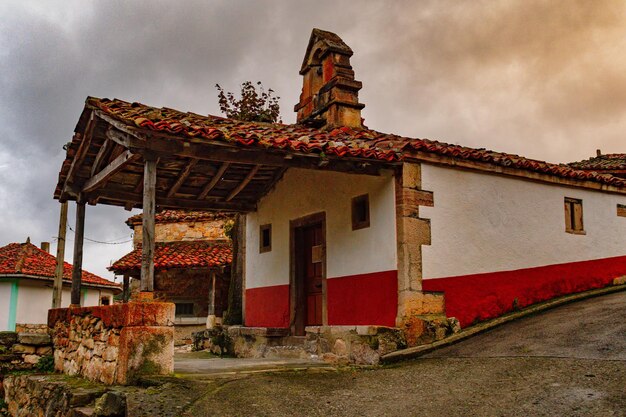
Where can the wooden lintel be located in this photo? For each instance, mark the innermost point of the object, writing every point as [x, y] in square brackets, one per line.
[216, 178]
[182, 177]
[107, 172]
[243, 183]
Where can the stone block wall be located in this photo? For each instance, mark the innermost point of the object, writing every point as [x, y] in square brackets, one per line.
[176, 232]
[114, 344]
[31, 328]
[22, 350]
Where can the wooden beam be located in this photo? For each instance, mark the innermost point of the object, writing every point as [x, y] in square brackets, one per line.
[126, 288]
[216, 178]
[243, 183]
[57, 288]
[103, 152]
[149, 211]
[81, 153]
[177, 203]
[77, 263]
[107, 172]
[182, 177]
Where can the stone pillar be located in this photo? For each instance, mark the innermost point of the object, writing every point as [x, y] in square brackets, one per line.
[414, 307]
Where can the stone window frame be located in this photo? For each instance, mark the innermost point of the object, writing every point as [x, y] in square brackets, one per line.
[574, 216]
[358, 221]
[265, 245]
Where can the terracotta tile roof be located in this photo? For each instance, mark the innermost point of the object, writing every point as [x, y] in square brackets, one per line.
[178, 216]
[608, 162]
[339, 142]
[193, 253]
[27, 259]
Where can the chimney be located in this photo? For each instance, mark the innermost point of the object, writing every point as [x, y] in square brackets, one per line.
[598, 152]
[45, 246]
[329, 95]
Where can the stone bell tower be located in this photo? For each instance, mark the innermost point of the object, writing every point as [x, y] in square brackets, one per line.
[329, 95]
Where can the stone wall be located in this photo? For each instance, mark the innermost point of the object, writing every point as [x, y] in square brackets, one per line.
[175, 232]
[361, 345]
[22, 350]
[114, 344]
[58, 396]
[31, 328]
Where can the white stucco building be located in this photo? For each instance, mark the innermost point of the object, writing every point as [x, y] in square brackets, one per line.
[26, 277]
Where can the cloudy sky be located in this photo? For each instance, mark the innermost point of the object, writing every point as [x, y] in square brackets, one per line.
[544, 79]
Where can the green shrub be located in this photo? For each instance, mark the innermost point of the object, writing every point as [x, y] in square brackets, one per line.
[45, 364]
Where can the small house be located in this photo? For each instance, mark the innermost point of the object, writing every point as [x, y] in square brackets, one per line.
[192, 266]
[26, 277]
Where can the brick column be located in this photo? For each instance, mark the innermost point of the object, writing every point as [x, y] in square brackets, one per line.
[414, 307]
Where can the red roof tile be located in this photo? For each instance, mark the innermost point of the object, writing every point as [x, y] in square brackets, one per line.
[340, 142]
[27, 259]
[176, 216]
[608, 162]
[193, 253]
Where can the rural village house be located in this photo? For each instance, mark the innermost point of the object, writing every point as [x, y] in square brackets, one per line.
[352, 235]
[192, 266]
[26, 276]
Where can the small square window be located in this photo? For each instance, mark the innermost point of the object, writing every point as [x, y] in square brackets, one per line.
[621, 210]
[574, 216]
[265, 238]
[360, 212]
[105, 301]
[184, 309]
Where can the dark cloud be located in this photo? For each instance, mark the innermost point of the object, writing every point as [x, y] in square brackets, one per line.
[540, 78]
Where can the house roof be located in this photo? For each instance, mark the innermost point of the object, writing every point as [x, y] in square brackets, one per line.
[27, 260]
[607, 162]
[340, 142]
[179, 216]
[185, 254]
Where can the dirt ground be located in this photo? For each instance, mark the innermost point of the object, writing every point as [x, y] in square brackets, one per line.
[570, 361]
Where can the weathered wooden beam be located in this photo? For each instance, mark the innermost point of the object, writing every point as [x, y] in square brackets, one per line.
[81, 153]
[216, 178]
[57, 287]
[77, 263]
[107, 172]
[149, 211]
[243, 183]
[126, 288]
[103, 152]
[182, 177]
[177, 203]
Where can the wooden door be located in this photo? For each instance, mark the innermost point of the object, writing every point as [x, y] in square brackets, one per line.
[309, 254]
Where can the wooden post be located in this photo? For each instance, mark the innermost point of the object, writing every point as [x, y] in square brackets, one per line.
[149, 208]
[77, 266]
[57, 291]
[211, 319]
[126, 291]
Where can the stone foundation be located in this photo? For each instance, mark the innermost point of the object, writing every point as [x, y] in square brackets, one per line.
[361, 345]
[114, 344]
[31, 328]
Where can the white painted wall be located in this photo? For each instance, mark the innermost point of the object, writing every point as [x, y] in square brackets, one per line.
[489, 223]
[303, 192]
[5, 304]
[35, 299]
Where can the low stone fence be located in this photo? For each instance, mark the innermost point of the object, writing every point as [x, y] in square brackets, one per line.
[114, 344]
[22, 350]
[361, 345]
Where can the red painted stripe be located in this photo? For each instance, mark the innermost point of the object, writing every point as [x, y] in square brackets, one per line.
[267, 306]
[473, 298]
[367, 299]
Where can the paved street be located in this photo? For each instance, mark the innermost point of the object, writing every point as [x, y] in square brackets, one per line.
[570, 361]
